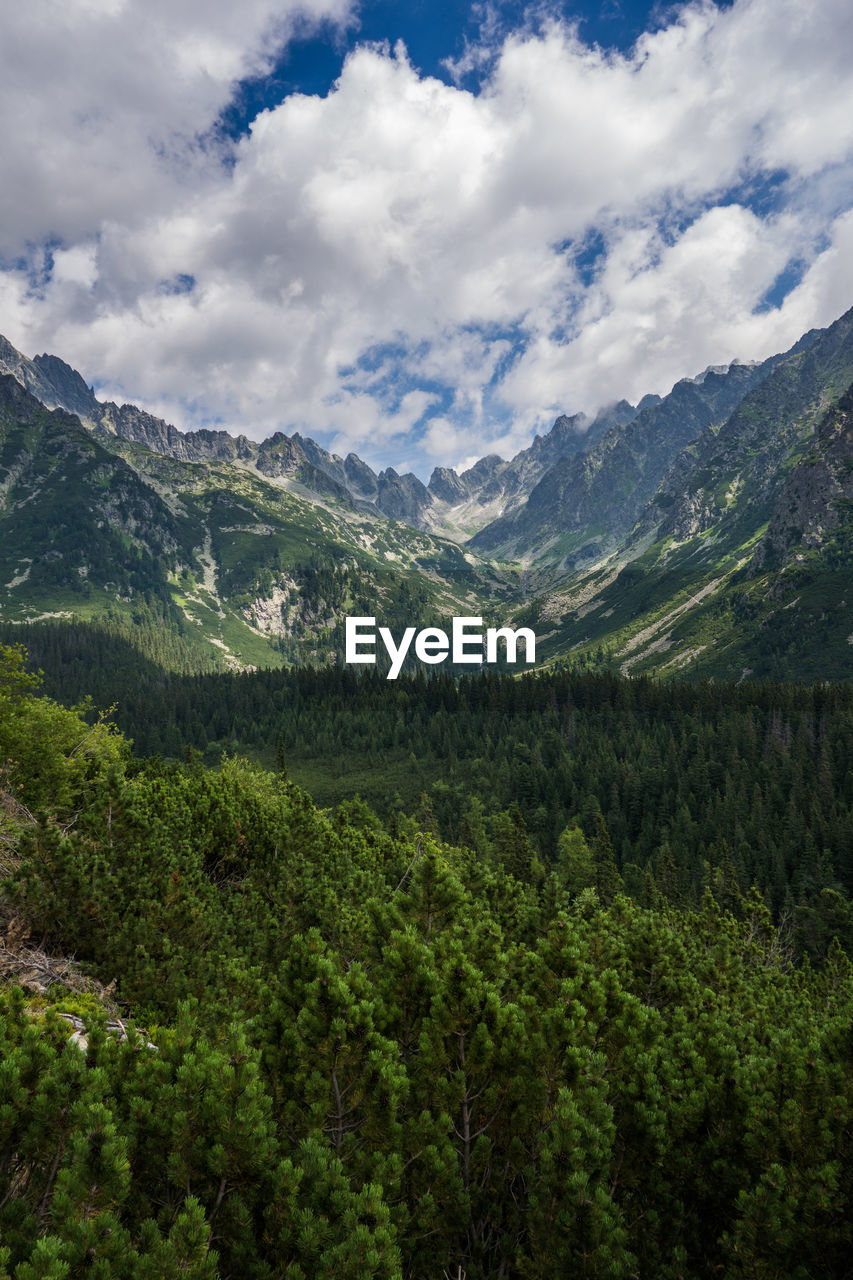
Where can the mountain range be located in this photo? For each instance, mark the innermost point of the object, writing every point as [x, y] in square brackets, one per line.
[704, 532]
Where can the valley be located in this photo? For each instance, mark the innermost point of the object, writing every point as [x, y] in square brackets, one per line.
[701, 534]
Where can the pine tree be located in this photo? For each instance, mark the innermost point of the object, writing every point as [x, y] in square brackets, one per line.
[575, 863]
[608, 882]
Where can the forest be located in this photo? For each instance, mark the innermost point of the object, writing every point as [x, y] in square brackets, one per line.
[676, 786]
[353, 1046]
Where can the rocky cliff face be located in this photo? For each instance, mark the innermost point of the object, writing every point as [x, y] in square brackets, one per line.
[53, 382]
[494, 487]
[57, 386]
[404, 498]
[360, 478]
[732, 477]
[587, 502]
[329, 463]
[69, 388]
[130, 423]
[447, 486]
[281, 456]
[816, 500]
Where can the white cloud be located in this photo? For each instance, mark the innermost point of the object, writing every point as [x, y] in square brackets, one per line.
[77, 266]
[660, 312]
[361, 252]
[104, 103]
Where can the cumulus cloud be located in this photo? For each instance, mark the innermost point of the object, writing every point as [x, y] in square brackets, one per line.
[404, 267]
[107, 105]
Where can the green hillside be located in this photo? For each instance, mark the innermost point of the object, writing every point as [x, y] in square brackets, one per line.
[370, 1053]
[239, 570]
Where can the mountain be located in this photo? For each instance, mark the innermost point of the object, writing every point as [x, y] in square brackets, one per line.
[492, 487]
[458, 505]
[207, 563]
[741, 563]
[73, 515]
[584, 504]
[281, 458]
[49, 379]
[704, 532]
[736, 473]
[451, 506]
[812, 514]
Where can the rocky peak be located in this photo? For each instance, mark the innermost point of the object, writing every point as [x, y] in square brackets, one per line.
[28, 374]
[812, 503]
[279, 455]
[70, 389]
[403, 498]
[482, 471]
[129, 422]
[360, 477]
[447, 486]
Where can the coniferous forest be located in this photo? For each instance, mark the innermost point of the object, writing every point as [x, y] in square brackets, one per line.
[448, 1038]
[681, 786]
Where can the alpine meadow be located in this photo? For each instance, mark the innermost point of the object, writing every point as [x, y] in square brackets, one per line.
[426, 774]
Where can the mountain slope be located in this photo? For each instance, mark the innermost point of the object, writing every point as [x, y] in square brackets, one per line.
[57, 385]
[72, 515]
[452, 506]
[813, 511]
[741, 564]
[247, 572]
[218, 551]
[731, 477]
[584, 505]
[493, 486]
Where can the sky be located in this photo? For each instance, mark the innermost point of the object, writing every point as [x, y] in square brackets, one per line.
[419, 231]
